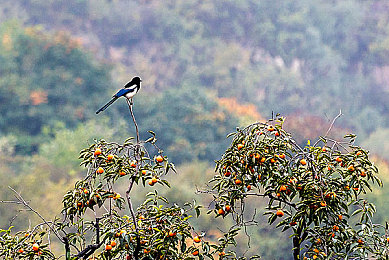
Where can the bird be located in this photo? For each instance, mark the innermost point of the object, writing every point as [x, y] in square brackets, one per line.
[128, 91]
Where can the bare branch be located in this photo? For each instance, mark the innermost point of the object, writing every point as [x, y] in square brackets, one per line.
[137, 157]
[133, 118]
[333, 122]
[330, 127]
[11, 201]
[25, 204]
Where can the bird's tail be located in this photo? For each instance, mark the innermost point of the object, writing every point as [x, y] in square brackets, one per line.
[107, 105]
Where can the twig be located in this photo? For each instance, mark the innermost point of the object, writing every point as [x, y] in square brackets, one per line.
[137, 156]
[330, 127]
[25, 204]
[11, 201]
[333, 122]
[133, 118]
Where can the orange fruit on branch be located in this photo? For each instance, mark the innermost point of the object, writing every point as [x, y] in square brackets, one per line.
[97, 152]
[35, 247]
[133, 164]
[159, 159]
[283, 188]
[279, 213]
[303, 162]
[197, 239]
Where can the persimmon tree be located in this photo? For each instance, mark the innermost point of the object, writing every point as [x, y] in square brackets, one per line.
[99, 222]
[316, 190]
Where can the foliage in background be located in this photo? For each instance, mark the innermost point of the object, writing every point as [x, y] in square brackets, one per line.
[45, 80]
[192, 122]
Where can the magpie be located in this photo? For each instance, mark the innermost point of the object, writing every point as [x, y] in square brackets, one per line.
[128, 91]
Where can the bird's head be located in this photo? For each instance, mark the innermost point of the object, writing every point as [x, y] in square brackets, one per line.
[136, 80]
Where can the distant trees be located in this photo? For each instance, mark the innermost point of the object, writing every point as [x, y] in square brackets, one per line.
[314, 56]
[45, 80]
[192, 121]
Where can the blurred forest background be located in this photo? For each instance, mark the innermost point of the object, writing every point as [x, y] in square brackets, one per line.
[207, 67]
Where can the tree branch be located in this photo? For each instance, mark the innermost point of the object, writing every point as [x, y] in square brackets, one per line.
[11, 201]
[25, 204]
[133, 118]
[130, 206]
[91, 248]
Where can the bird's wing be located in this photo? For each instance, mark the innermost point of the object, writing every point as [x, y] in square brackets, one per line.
[129, 84]
[123, 92]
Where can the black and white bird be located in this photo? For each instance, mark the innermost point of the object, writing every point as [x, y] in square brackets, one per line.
[128, 91]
